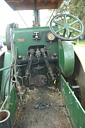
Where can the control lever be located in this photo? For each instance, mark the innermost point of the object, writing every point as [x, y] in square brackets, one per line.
[48, 65]
[30, 56]
[31, 51]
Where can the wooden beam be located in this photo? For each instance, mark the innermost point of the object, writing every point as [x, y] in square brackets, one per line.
[29, 4]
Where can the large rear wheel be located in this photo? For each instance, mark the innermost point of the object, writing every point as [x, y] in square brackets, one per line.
[9, 33]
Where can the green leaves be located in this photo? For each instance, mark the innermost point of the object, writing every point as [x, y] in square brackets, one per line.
[77, 7]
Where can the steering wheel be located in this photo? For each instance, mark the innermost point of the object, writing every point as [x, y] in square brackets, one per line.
[66, 27]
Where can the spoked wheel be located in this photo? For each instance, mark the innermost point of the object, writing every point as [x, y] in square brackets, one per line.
[66, 27]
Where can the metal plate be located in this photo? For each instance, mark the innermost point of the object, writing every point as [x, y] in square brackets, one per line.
[40, 80]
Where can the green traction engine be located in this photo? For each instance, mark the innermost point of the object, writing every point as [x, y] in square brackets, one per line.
[39, 56]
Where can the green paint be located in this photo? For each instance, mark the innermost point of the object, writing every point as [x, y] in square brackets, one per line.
[5, 68]
[7, 62]
[74, 107]
[66, 58]
[11, 104]
[26, 35]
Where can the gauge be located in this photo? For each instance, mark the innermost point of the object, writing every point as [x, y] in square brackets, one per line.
[50, 36]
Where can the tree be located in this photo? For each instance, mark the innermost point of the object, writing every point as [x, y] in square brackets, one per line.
[77, 8]
[64, 8]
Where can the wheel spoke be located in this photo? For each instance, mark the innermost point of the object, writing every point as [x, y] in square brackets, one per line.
[60, 29]
[64, 32]
[75, 29]
[65, 19]
[73, 22]
[58, 23]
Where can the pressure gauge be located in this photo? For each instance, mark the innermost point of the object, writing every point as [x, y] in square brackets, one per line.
[50, 36]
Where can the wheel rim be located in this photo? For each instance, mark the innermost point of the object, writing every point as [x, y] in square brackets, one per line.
[66, 27]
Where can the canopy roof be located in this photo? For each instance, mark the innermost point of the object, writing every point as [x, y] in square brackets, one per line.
[33, 4]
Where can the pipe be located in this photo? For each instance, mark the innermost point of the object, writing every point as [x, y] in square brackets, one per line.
[9, 84]
[54, 59]
[5, 120]
[6, 76]
[5, 68]
[37, 17]
[41, 60]
[2, 69]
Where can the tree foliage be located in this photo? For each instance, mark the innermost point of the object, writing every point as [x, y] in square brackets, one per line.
[64, 7]
[75, 7]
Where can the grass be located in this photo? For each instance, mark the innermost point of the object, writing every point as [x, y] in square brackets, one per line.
[80, 42]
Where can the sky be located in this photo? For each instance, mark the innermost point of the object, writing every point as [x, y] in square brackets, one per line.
[7, 16]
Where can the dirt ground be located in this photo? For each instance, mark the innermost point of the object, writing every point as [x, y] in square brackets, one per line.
[55, 116]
